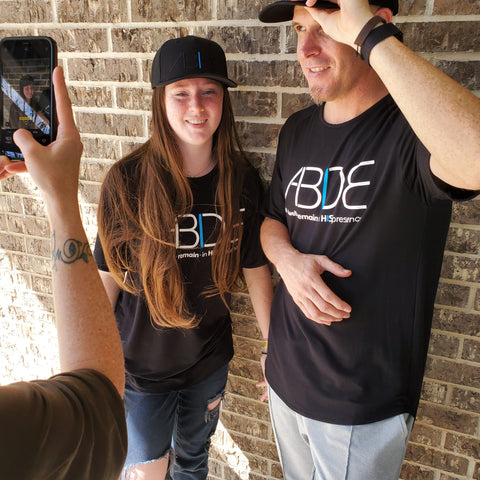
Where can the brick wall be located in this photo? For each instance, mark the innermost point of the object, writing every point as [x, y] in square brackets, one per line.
[106, 48]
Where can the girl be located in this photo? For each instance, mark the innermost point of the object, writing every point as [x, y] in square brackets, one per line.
[178, 224]
[28, 113]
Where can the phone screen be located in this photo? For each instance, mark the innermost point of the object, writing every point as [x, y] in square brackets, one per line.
[27, 94]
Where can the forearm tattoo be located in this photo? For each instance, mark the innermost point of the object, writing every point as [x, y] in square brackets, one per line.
[71, 251]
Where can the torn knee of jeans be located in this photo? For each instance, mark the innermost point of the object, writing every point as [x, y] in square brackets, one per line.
[213, 407]
[130, 472]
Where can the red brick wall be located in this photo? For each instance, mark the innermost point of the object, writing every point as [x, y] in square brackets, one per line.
[106, 48]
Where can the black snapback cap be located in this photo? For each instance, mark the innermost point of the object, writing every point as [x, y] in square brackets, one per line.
[282, 10]
[189, 57]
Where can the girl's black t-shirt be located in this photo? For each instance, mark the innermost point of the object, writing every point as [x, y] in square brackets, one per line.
[362, 194]
[159, 359]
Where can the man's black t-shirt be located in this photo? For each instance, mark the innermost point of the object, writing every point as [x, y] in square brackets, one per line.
[70, 427]
[158, 359]
[362, 194]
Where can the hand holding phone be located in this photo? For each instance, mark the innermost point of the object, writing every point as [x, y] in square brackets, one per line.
[54, 168]
[27, 99]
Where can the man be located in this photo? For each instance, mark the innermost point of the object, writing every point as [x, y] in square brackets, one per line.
[357, 216]
[71, 426]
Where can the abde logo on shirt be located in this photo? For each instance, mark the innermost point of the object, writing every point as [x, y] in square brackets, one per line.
[312, 188]
[199, 230]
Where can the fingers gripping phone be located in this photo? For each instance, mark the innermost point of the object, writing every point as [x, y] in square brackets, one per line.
[27, 101]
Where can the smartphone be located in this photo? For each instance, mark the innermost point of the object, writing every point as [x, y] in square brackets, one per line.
[27, 101]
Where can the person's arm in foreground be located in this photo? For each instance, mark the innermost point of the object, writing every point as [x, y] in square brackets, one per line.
[260, 288]
[444, 115]
[87, 332]
[301, 274]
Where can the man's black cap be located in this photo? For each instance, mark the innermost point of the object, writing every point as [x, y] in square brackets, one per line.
[189, 57]
[282, 10]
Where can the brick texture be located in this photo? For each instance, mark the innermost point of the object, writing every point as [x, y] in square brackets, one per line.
[106, 48]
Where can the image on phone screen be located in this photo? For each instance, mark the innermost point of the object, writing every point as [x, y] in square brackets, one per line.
[27, 97]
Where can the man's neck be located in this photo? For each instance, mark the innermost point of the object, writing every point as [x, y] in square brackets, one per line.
[360, 100]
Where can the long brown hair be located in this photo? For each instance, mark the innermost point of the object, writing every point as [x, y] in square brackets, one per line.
[141, 198]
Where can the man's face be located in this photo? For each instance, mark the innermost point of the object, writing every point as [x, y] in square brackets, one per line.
[331, 68]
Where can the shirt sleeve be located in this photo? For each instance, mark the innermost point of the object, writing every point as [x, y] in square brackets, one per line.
[252, 255]
[454, 193]
[71, 426]
[99, 256]
[418, 173]
[274, 204]
[444, 190]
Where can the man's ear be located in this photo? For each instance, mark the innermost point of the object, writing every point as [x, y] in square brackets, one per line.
[385, 13]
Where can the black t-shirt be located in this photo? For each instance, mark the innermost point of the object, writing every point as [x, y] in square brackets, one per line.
[70, 427]
[362, 194]
[161, 359]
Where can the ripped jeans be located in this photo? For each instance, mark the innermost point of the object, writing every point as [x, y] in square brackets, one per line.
[186, 416]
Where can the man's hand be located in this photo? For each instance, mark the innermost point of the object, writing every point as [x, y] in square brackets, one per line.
[345, 24]
[263, 383]
[301, 274]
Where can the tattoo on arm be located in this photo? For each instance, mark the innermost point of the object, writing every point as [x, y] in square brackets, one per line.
[71, 251]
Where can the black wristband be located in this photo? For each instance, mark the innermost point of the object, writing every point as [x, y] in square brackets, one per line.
[376, 36]
[366, 30]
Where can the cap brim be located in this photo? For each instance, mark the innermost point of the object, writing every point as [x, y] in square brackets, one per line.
[217, 78]
[282, 11]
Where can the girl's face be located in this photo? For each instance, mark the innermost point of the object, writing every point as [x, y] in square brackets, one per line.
[194, 110]
[28, 91]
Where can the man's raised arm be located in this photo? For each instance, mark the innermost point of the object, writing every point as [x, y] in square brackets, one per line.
[444, 115]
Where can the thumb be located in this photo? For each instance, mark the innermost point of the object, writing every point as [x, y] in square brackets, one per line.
[332, 267]
[25, 141]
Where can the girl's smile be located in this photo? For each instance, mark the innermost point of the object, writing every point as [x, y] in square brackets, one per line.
[194, 110]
